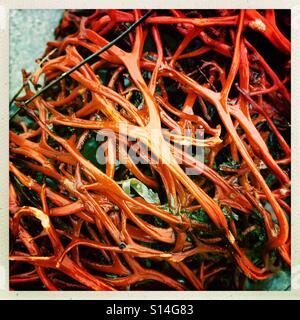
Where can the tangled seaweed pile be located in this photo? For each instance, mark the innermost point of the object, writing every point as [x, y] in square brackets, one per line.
[77, 224]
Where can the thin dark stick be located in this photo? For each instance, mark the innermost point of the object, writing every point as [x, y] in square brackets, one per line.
[18, 92]
[103, 49]
[29, 78]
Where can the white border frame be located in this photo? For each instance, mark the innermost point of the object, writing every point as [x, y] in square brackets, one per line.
[5, 6]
